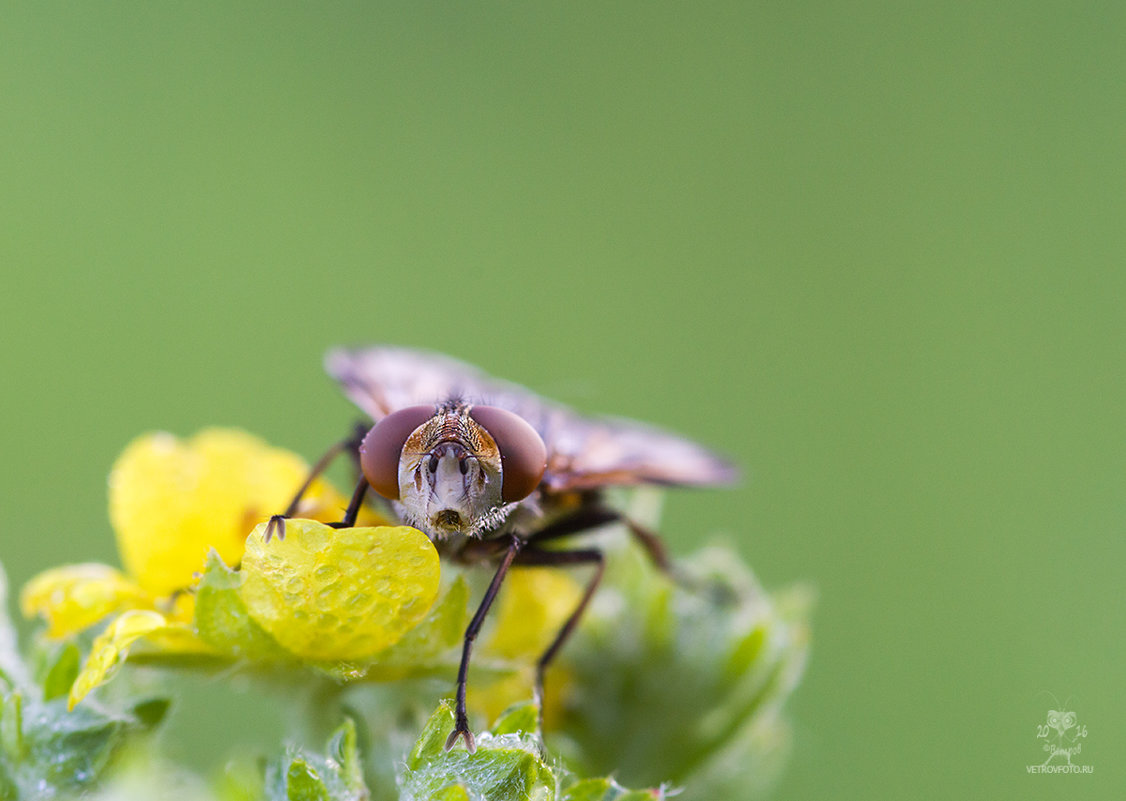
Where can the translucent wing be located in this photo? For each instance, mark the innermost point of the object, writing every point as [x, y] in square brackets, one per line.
[587, 453]
[583, 452]
[382, 379]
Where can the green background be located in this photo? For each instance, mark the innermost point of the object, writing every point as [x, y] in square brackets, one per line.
[874, 251]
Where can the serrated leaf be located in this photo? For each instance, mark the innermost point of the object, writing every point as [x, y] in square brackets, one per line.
[496, 772]
[72, 749]
[337, 775]
[222, 620]
[432, 742]
[505, 767]
[62, 673]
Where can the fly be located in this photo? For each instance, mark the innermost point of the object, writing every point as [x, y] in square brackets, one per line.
[490, 471]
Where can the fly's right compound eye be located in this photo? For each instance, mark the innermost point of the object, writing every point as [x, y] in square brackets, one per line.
[382, 448]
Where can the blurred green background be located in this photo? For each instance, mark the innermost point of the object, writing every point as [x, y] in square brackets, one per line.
[874, 252]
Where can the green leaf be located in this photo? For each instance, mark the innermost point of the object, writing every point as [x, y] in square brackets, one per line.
[455, 792]
[221, 619]
[431, 744]
[342, 752]
[11, 725]
[46, 752]
[151, 712]
[608, 790]
[505, 767]
[303, 784]
[744, 651]
[241, 780]
[304, 776]
[522, 717]
[62, 672]
[650, 648]
[71, 750]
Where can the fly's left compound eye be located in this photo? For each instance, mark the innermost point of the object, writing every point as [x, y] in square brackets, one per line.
[523, 456]
[382, 448]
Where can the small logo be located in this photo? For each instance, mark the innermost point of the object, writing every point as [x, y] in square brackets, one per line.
[1061, 738]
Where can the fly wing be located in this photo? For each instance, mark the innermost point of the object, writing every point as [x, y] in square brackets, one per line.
[381, 380]
[582, 452]
[587, 453]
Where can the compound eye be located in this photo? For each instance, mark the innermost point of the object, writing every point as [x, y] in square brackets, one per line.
[382, 448]
[523, 456]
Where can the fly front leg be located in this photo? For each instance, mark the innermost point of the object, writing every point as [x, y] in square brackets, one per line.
[351, 444]
[353, 510]
[461, 718]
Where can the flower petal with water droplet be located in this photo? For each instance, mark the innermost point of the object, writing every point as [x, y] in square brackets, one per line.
[339, 594]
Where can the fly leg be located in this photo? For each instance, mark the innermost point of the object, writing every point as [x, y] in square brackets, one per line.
[534, 557]
[595, 515]
[461, 722]
[351, 444]
[581, 520]
[354, 505]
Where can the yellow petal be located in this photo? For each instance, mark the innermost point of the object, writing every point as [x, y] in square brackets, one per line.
[492, 698]
[180, 608]
[171, 500]
[174, 638]
[74, 597]
[110, 649]
[339, 594]
[533, 606]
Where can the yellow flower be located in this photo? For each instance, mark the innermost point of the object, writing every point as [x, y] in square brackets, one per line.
[74, 597]
[321, 594]
[532, 608]
[172, 500]
[342, 600]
